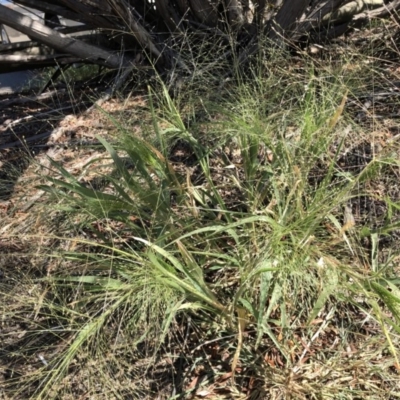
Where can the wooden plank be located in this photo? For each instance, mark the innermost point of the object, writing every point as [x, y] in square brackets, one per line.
[17, 46]
[53, 7]
[30, 63]
[57, 40]
[28, 58]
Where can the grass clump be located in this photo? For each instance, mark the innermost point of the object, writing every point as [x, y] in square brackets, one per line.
[226, 251]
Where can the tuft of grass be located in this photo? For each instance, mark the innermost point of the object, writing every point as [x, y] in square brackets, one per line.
[224, 245]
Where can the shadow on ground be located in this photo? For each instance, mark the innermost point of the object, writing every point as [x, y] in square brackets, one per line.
[30, 126]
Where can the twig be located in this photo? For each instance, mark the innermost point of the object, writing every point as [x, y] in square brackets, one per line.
[55, 134]
[25, 99]
[307, 347]
[119, 80]
[44, 114]
[380, 12]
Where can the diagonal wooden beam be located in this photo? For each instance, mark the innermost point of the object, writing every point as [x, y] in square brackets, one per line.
[47, 7]
[57, 40]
